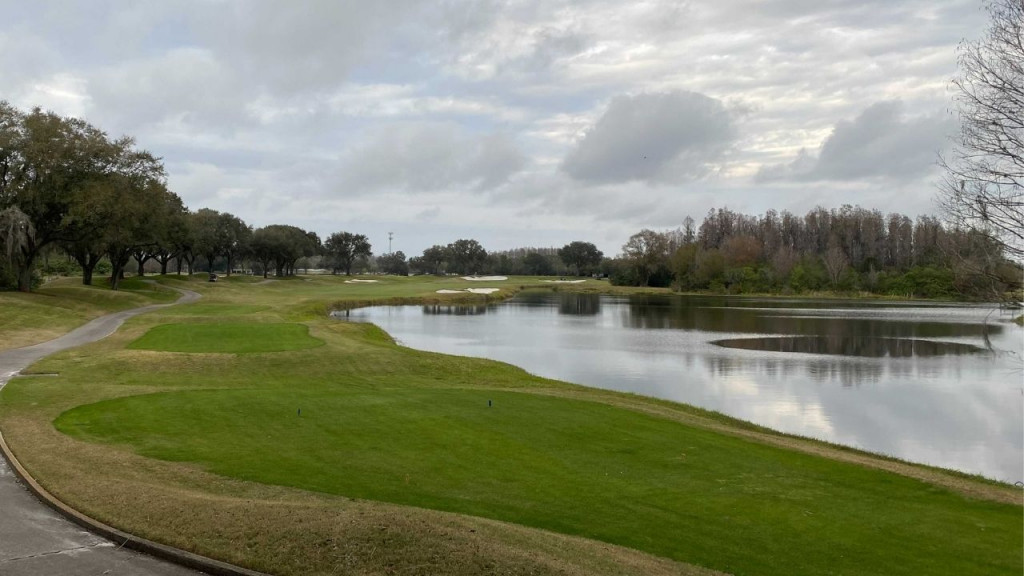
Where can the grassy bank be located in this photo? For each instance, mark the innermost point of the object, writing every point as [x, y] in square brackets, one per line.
[252, 428]
[64, 304]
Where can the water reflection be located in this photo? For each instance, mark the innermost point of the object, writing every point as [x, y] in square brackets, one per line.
[454, 310]
[851, 346]
[855, 373]
[843, 318]
[579, 304]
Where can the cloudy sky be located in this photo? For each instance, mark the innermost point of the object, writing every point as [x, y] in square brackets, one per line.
[517, 123]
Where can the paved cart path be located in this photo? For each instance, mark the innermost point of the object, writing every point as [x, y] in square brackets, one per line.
[34, 539]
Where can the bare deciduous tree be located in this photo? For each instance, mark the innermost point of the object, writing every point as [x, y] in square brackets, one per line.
[983, 189]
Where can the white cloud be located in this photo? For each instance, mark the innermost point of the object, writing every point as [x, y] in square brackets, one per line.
[882, 141]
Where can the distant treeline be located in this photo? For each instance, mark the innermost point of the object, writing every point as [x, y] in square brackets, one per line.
[75, 201]
[848, 249]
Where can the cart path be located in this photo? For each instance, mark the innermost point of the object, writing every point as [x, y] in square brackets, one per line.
[34, 539]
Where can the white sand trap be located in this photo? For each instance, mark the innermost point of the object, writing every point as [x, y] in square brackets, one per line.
[564, 281]
[358, 281]
[484, 278]
[471, 291]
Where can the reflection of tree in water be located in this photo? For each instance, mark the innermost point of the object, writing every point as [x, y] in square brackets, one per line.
[454, 310]
[723, 315]
[848, 374]
[579, 304]
[852, 346]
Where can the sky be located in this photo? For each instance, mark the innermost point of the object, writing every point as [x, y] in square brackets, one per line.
[516, 123]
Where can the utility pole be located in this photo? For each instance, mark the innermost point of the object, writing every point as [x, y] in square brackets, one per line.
[390, 235]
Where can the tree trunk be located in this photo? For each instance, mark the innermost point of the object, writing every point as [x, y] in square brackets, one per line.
[87, 268]
[118, 263]
[88, 262]
[25, 279]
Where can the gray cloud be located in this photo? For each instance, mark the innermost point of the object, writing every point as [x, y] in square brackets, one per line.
[307, 46]
[292, 112]
[880, 142]
[429, 156]
[653, 137]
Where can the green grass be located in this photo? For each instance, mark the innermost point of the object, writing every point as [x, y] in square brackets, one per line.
[385, 423]
[204, 309]
[233, 338]
[570, 466]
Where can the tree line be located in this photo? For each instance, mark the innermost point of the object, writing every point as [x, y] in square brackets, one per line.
[68, 188]
[845, 249]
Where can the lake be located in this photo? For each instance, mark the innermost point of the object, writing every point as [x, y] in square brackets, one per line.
[939, 384]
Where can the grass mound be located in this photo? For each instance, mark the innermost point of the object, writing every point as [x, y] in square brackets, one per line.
[570, 466]
[230, 338]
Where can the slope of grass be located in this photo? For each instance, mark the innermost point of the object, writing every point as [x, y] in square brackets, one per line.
[64, 304]
[211, 453]
[569, 466]
[233, 338]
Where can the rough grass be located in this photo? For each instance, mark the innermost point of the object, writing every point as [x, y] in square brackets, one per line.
[231, 338]
[64, 304]
[209, 452]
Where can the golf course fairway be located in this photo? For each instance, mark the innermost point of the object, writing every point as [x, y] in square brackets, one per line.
[253, 428]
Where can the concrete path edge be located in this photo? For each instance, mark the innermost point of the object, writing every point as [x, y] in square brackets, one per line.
[178, 556]
[124, 539]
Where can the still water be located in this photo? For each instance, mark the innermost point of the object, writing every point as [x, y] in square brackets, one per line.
[937, 384]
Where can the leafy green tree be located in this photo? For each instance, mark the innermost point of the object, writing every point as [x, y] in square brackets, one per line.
[537, 264]
[684, 266]
[238, 234]
[433, 260]
[172, 237]
[209, 238]
[282, 246]
[47, 163]
[393, 263]
[342, 249]
[466, 256]
[581, 257]
[646, 250]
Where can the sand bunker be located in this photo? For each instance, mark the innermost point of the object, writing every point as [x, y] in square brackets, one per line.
[358, 281]
[471, 291]
[484, 278]
[564, 281]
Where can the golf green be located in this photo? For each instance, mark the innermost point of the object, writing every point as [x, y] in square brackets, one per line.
[236, 338]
